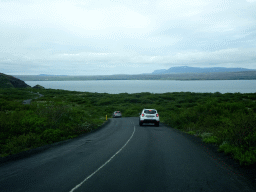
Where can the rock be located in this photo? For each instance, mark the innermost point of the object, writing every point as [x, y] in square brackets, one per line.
[38, 87]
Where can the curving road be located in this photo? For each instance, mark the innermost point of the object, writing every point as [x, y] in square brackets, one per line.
[28, 101]
[122, 156]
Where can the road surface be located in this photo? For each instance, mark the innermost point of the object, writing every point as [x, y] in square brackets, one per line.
[122, 156]
[28, 101]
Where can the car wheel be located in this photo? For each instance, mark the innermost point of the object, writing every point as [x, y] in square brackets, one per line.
[157, 124]
[140, 123]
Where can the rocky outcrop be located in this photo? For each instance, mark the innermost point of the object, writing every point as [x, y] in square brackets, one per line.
[38, 87]
[8, 81]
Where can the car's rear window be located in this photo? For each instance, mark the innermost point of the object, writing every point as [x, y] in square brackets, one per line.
[117, 111]
[150, 111]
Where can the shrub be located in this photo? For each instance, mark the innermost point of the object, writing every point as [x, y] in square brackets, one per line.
[211, 139]
[191, 132]
[51, 135]
[245, 157]
[20, 143]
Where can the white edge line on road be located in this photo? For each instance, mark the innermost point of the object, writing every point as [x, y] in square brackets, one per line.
[103, 164]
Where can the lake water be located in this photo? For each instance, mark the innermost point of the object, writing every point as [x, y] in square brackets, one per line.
[152, 86]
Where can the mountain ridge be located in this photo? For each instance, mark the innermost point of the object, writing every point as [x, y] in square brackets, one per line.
[242, 75]
[186, 69]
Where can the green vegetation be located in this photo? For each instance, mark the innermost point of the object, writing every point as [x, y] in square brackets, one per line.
[227, 120]
[7, 81]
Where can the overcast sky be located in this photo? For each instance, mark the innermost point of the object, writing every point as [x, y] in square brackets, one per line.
[104, 37]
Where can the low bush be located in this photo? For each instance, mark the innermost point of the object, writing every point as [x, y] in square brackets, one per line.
[20, 143]
[244, 156]
[191, 132]
[211, 139]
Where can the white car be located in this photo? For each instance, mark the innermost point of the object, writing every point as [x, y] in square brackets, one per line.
[149, 116]
[117, 114]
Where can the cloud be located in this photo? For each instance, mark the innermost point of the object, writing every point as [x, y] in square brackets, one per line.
[233, 57]
[125, 37]
[182, 8]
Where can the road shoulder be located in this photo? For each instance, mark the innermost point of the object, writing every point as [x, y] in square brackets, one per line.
[226, 161]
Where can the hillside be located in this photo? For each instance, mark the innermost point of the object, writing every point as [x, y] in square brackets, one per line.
[243, 75]
[7, 81]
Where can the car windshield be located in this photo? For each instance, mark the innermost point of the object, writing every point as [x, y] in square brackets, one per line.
[150, 111]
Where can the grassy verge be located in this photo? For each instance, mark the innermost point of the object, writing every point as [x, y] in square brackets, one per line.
[227, 120]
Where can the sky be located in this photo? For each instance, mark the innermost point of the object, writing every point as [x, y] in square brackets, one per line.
[105, 37]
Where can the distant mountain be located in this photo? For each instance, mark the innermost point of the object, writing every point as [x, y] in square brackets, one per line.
[241, 75]
[159, 71]
[7, 81]
[50, 75]
[186, 69]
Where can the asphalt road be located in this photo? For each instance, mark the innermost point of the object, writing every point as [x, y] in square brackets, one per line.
[122, 156]
[28, 101]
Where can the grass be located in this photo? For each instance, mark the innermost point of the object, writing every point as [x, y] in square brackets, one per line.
[228, 120]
